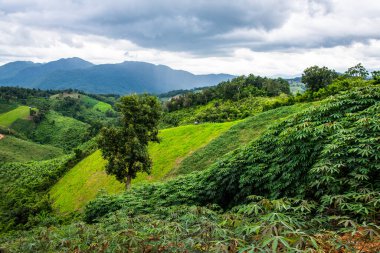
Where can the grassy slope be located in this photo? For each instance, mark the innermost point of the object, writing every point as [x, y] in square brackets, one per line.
[7, 118]
[60, 131]
[83, 182]
[16, 150]
[103, 107]
[238, 135]
[6, 106]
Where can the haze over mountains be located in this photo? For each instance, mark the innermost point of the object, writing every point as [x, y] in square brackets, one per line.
[121, 78]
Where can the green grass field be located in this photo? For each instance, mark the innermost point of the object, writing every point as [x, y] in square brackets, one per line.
[240, 134]
[16, 150]
[103, 107]
[82, 183]
[7, 118]
[89, 101]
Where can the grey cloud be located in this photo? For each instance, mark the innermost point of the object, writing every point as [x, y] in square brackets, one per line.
[198, 26]
[169, 25]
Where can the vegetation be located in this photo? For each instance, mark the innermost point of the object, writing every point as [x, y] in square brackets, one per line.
[357, 71]
[299, 174]
[126, 147]
[88, 177]
[23, 191]
[6, 106]
[316, 77]
[238, 135]
[309, 183]
[305, 146]
[24, 202]
[61, 131]
[8, 118]
[224, 111]
[16, 150]
[236, 89]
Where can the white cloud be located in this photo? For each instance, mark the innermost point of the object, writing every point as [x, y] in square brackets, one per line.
[237, 37]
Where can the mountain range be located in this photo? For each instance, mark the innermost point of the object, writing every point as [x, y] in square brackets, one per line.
[120, 78]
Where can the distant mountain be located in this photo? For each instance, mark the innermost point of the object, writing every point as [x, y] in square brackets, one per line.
[119, 78]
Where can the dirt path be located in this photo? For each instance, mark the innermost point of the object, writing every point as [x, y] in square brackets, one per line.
[1, 136]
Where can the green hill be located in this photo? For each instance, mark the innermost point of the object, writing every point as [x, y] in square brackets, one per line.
[61, 131]
[6, 106]
[83, 182]
[328, 150]
[238, 135]
[16, 150]
[182, 150]
[7, 118]
[307, 184]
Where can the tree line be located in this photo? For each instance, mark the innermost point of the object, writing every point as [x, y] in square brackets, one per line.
[235, 89]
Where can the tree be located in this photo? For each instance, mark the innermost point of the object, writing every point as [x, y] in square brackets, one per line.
[376, 76]
[126, 146]
[357, 71]
[316, 78]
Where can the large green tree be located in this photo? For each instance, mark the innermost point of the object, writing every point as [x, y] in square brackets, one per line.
[316, 77]
[357, 71]
[125, 147]
[376, 76]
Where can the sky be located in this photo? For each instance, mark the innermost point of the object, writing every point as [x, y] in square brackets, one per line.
[263, 37]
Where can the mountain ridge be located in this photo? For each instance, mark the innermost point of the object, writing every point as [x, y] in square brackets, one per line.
[119, 78]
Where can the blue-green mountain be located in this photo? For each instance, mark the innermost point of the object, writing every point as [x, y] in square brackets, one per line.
[121, 78]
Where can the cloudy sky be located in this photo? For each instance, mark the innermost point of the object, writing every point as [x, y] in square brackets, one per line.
[265, 37]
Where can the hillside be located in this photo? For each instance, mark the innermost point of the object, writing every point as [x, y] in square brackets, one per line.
[196, 147]
[9, 117]
[308, 183]
[62, 119]
[122, 78]
[237, 136]
[61, 131]
[16, 150]
[88, 177]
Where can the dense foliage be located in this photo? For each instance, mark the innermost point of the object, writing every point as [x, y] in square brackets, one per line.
[260, 225]
[63, 119]
[238, 135]
[235, 89]
[328, 151]
[23, 187]
[126, 147]
[24, 201]
[309, 183]
[224, 111]
[317, 78]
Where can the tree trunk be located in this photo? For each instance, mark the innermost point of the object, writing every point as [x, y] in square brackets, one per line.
[128, 182]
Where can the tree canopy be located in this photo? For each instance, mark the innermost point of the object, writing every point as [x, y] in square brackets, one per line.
[126, 146]
[316, 77]
[357, 71]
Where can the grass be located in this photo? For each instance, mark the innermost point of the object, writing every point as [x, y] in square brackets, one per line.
[103, 107]
[89, 101]
[7, 118]
[240, 134]
[82, 183]
[61, 131]
[16, 150]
